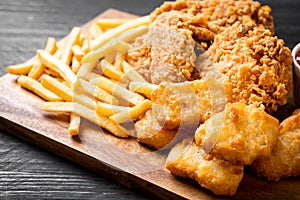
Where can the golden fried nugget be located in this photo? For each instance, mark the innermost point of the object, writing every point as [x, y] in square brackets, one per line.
[219, 176]
[284, 160]
[238, 134]
[151, 133]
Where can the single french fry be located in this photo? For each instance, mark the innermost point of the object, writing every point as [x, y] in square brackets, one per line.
[131, 73]
[86, 46]
[108, 23]
[75, 65]
[97, 92]
[132, 113]
[91, 75]
[20, 69]
[110, 71]
[51, 45]
[120, 56]
[95, 30]
[57, 106]
[100, 120]
[52, 73]
[57, 87]
[61, 45]
[78, 52]
[142, 88]
[117, 90]
[36, 87]
[57, 65]
[85, 69]
[74, 124]
[37, 70]
[122, 46]
[109, 109]
[112, 33]
[109, 46]
[73, 38]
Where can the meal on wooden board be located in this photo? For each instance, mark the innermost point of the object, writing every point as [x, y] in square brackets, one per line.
[201, 78]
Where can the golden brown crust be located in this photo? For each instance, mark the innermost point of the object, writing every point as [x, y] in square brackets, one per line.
[285, 158]
[255, 66]
[219, 176]
[239, 134]
[151, 133]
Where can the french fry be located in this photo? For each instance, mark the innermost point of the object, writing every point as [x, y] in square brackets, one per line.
[143, 88]
[95, 30]
[131, 73]
[79, 97]
[117, 90]
[132, 113]
[37, 70]
[109, 109]
[109, 46]
[122, 46]
[101, 120]
[51, 45]
[73, 38]
[74, 124]
[110, 71]
[86, 46]
[21, 69]
[113, 33]
[97, 92]
[57, 87]
[57, 65]
[52, 73]
[78, 52]
[75, 65]
[120, 56]
[108, 23]
[57, 106]
[36, 87]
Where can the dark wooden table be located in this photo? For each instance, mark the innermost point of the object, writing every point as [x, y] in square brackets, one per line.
[29, 172]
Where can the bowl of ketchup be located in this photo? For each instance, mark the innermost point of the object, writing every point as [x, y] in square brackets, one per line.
[296, 70]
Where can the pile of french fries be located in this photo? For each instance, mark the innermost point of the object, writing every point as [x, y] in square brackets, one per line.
[87, 75]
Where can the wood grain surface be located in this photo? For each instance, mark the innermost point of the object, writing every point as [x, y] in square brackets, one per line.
[28, 172]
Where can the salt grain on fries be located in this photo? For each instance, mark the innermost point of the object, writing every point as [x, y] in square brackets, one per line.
[62, 75]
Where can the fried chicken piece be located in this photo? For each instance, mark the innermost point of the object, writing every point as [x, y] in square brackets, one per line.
[219, 176]
[238, 134]
[187, 104]
[151, 133]
[211, 17]
[255, 66]
[284, 160]
[165, 53]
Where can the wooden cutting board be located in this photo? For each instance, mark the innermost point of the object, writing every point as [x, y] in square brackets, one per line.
[122, 160]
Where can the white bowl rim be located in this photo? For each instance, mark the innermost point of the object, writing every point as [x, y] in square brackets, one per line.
[296, 65]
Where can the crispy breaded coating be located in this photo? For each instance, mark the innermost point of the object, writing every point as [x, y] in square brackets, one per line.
[238, 134]
[219, 176]
[151, 133]
[165, 53]
[184, 104]
[255, 66]
[284, 160]
[211, 17]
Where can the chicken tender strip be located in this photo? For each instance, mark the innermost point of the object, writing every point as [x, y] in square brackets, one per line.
[238, 134]
[219, 176]
[284, 160]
